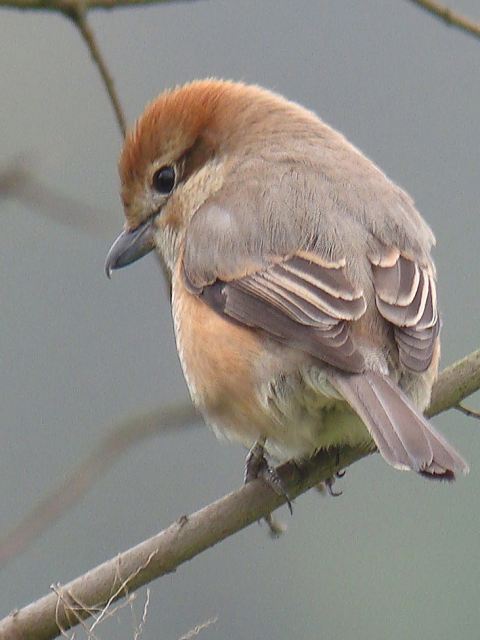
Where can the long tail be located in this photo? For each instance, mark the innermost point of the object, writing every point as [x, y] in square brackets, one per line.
[403, 436]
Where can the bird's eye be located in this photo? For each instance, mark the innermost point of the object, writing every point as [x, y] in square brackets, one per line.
[163, 180]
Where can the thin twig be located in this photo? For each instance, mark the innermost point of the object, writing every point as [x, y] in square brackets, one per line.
[193, 633]
[66, 6]
[123, 589]
[451, 18]
[77, 10]
[78, 15]
[140, 627]
[190, 535]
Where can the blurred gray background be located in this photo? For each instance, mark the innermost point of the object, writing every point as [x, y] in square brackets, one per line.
[395, 557]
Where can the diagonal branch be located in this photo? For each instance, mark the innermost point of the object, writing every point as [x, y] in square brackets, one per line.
[456, 382]
[452, 18]
[161, 554]
[190, 535]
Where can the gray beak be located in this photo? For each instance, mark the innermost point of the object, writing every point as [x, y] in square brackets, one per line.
[130, 246]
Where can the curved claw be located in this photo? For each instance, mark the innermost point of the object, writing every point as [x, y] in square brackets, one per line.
[329, 484]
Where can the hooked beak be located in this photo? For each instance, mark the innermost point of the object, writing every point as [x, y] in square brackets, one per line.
[130, 246]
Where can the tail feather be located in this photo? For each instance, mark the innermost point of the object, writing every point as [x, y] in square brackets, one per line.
[403, 436]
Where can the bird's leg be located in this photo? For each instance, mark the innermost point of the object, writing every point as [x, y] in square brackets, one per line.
[255, 461]
[341, 472]
[256, 466]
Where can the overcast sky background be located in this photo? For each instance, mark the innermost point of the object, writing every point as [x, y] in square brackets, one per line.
[395, 556]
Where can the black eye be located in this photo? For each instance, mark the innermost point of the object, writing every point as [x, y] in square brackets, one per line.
[163, 180]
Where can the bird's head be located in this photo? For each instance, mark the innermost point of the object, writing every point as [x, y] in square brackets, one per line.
[177, 156]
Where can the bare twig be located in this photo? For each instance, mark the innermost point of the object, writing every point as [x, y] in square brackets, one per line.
[65, 6]
[53, 505]
[189, 536]
[451, 18]
[77, 10]
[78, 15]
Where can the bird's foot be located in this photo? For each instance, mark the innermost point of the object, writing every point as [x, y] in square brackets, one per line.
[256, 466]
[329, 482]
[327, 485]
[255, 461]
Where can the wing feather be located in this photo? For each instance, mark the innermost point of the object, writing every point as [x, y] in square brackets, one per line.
[316, 294]
[331, 279]
[406, 297]
[302, 301]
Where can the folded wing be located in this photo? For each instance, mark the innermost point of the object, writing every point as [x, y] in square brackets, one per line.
[303, 301]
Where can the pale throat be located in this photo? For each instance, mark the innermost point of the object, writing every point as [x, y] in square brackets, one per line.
[168, 241]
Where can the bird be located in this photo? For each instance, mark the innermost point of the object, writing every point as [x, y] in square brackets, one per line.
[303, 289]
